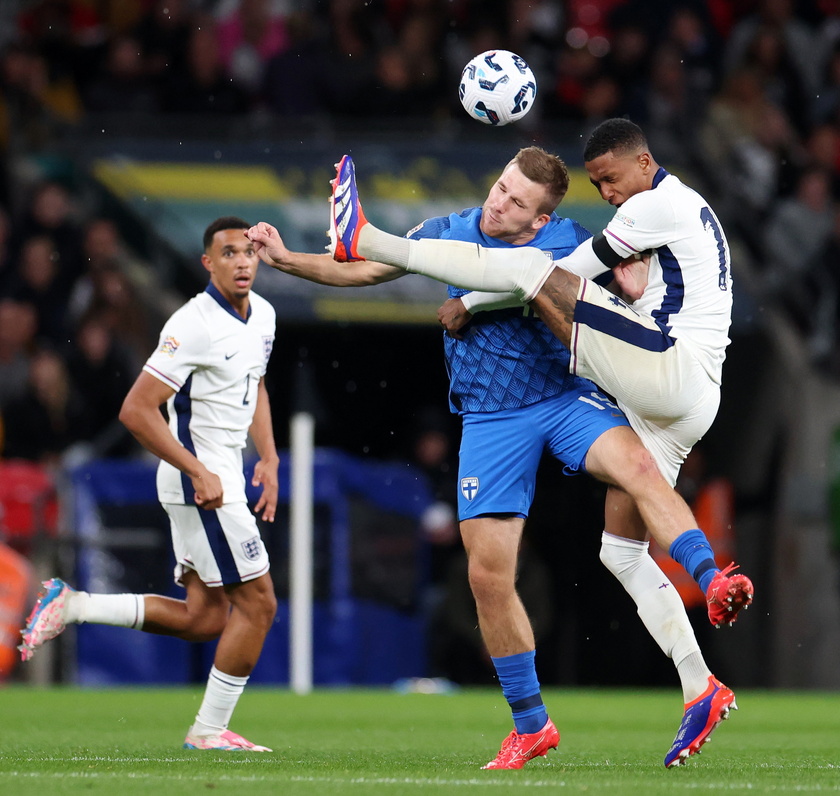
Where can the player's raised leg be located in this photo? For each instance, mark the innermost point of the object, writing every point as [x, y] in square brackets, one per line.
[352, 237]
[59, 605]
[241, 619]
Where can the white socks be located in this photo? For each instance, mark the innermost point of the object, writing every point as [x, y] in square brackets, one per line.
[120, 610]
[522, 271]
[661, 609]
[220, 698]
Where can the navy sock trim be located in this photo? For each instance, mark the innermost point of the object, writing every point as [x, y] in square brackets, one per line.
[693, 551]
[528, 703]
[704, 567]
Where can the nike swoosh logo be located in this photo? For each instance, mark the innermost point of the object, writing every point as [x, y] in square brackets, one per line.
[230, 356]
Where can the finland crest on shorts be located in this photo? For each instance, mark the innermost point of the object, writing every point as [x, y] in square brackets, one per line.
[252, 548]
[469, 487]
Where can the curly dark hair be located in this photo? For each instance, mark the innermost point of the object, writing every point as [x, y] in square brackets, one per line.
[614, 135]
[225, 222]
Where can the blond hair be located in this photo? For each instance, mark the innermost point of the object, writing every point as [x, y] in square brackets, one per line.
[545, 169]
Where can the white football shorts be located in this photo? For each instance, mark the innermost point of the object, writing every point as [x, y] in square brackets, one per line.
[662, 386]
[223, 546]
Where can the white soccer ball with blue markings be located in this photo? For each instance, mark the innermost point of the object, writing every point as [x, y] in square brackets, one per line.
[497, 87]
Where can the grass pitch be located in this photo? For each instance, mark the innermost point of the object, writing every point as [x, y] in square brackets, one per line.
[127, 742]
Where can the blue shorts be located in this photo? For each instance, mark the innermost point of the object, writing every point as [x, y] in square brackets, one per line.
[501, 451]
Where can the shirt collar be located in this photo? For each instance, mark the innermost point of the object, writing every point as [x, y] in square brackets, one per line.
[660, 175]
[225, 304]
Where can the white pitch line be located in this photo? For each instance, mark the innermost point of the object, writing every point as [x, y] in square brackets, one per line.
[420, 781]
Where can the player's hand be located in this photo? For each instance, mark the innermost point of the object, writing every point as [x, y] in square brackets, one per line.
[631, 275]
[209, 494]
[265, 473]
[453, 316]
[267, 243]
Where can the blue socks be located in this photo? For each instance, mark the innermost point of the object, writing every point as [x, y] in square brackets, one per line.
[518, 678]
[693, 551]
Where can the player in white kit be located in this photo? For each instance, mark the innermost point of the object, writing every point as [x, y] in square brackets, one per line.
[209, 370]
[658, 350]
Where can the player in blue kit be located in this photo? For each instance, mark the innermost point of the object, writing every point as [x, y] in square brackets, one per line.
[510, 383]
[209, 370]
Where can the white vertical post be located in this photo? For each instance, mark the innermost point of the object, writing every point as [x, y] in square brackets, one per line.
[300, 552]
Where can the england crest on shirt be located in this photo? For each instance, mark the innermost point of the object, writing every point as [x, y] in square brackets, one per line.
[469, 487]
[268, 344]
[252, 548]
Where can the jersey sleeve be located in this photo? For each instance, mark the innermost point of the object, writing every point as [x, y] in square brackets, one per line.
[584, 261]
[645, 221]
[476, 301]
[183, 345]
[430, 228]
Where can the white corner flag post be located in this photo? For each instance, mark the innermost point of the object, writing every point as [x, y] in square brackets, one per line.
[300, 552]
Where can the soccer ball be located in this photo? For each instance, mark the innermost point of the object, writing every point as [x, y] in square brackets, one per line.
[497, 87]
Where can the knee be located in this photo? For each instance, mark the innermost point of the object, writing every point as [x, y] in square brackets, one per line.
[209, 624]
[618, 556]
[488, 583]
[260, 606]
[267, 610]
[640, 471]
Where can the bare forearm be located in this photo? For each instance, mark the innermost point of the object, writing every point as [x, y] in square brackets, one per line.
[151, 431]
[324, 270]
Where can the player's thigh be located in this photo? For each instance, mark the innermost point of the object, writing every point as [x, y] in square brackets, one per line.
[670, 442]
[256, 594]
[200, 597]
[223, 546]
[630, 356]
[574, 420]
[498, 460]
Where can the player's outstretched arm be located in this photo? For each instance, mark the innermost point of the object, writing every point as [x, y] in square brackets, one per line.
[265, 470]
[320, 268]
[140, 414]
[466, 265]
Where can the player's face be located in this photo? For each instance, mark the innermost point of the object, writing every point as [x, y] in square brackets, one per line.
[511, 211]
[232, 263]
[617, 178]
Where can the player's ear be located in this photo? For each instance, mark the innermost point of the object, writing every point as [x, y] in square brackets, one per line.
[540, 221]
[645, 161]
[207, 263]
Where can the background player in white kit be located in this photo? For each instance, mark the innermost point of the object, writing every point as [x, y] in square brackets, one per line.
[209, 370]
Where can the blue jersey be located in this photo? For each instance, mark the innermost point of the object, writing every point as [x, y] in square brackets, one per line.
[508, 358]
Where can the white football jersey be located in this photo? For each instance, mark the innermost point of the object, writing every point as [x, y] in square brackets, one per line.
[214, 361]
[689, 289]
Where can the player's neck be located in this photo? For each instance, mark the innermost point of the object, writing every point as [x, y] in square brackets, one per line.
[240, 305]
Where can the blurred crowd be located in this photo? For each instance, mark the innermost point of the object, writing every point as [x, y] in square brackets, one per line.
[740, 96]
[77, 320]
